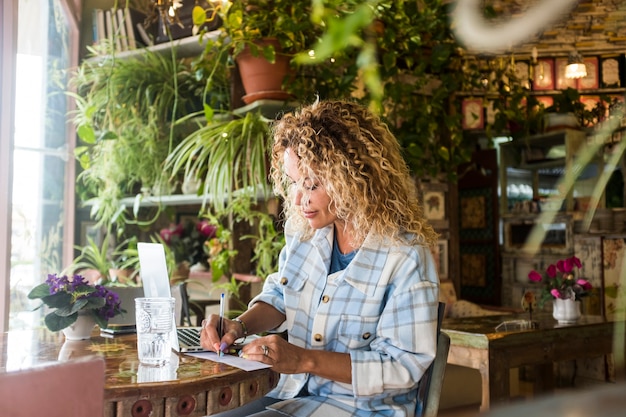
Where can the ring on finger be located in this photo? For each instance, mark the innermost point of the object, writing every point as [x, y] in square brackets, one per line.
[265, 350]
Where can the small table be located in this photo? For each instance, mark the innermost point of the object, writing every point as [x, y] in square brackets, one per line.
[188, 386]
[475, 343]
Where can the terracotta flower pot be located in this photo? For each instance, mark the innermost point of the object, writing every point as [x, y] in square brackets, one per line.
[262, 79]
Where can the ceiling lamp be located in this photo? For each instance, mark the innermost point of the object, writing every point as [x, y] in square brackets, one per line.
[575, 66]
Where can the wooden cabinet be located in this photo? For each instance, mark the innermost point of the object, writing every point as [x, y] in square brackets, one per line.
[536, 171]
[545, 190]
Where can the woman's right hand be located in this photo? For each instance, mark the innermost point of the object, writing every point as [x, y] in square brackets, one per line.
[211, 340]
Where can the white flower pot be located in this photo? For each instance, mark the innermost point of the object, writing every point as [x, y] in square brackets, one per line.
[565, 311]
[82, 327]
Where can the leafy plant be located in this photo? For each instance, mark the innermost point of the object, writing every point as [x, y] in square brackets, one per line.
[222, 248]
[401, 59]
[125, 114]
[106, 261]
[567, 101]
[245, 22]
[517, 113]
[94, 257]
[228, 156]
[69, 297]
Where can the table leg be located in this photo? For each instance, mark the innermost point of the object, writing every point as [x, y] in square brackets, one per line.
[544, 378]
[499, 389]
[484, 375]
[474, 358]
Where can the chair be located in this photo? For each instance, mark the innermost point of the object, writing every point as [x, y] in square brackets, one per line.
[184, 306]
[456, 308]
[57, 389]
[429, 389]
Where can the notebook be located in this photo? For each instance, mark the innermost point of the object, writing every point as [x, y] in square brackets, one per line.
[156, 283]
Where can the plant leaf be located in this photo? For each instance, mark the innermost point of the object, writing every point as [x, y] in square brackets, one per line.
[40, 291]
[55, 323]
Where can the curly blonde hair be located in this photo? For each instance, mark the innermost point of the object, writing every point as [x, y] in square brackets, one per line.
[355, 157]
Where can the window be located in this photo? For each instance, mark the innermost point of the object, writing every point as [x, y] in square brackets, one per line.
[41, 209]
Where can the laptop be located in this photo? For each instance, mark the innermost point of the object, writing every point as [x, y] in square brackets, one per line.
[156, 283]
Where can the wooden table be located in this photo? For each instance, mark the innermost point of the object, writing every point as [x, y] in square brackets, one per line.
[601, 401]
[187, 387]
[474, 343]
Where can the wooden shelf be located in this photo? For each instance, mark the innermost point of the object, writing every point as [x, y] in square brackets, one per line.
[178, 199]
[270, 109]
[184, 48]
[590, 92]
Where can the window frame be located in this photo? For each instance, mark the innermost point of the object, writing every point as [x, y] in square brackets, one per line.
[8, 56]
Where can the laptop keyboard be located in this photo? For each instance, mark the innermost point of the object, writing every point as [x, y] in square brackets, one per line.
[188, 336]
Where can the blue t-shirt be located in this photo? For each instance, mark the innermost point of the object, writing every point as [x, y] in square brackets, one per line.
[339, 261]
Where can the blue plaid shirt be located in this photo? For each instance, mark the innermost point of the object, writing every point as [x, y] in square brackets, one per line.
[382, 310]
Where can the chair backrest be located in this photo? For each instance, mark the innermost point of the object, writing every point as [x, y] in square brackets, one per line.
[181, 308]
[429, 388]
[57, 389]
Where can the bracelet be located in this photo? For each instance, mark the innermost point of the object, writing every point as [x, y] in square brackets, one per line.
[243, 327]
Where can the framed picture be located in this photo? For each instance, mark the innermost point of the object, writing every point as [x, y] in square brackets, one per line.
[434, 205]
[610, 72]
[544, 74]
[522, 71]
[562, 82]
[472, 112]
[433, 196]
[440, 253]
[591, 81]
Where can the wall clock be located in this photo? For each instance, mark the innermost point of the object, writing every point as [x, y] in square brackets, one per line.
[473, 117]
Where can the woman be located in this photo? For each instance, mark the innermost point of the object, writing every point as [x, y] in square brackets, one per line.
[356, 288]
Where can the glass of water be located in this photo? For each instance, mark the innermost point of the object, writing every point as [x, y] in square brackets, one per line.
[155, 323]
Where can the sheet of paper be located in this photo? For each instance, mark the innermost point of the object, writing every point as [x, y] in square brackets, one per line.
[232, 360]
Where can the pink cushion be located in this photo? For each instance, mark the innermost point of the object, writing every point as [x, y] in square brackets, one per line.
[447, 295]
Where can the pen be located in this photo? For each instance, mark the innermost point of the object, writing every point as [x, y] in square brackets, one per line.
[220, 328]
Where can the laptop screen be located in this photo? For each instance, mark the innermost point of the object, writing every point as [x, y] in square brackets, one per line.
[156, 281]
[154, 276]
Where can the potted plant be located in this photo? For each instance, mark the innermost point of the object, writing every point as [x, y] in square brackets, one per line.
[103, 264]
[126, 113]
[94, 261]
[567, 111]
[76, 299]
[116, 268]
[227, 156]
[232, 259]
[262, 37]
[563, 288]
[186, 245]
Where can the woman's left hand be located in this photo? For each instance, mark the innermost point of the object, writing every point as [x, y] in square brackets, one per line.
[284, 357]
